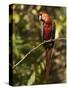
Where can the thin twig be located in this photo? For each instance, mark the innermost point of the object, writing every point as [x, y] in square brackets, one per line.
[35, 49]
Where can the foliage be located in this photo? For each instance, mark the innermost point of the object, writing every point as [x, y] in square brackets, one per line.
[26, 35]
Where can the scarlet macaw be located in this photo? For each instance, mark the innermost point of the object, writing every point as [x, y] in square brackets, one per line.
[48, 32]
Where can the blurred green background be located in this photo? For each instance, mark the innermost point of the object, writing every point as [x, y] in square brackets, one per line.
[27, 35]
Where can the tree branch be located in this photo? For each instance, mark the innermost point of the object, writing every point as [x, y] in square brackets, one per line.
[35, 49]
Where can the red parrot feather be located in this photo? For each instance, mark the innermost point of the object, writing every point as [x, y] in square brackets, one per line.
[48, 33]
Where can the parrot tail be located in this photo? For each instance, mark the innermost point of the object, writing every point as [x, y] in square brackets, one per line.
[48, 62]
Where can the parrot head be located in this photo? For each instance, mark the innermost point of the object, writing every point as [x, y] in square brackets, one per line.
[44, 17]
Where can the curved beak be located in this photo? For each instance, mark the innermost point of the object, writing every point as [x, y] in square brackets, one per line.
[40, 17]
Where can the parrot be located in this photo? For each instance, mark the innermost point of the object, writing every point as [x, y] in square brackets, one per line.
[48, 33]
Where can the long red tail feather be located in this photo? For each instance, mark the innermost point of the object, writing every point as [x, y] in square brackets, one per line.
[48, 62]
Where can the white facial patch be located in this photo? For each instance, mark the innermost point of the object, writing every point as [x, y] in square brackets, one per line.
[43, 17]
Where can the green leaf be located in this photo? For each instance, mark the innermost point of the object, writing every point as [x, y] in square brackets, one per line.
[42, 65]
[16, 17]
[31, 79]
[39, 69]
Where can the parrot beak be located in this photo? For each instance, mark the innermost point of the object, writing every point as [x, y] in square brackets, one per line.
[40, 17]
